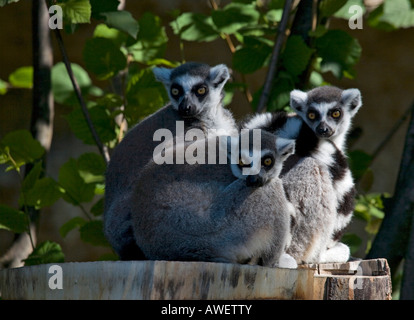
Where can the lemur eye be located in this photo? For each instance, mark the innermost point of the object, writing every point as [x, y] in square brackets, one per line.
[336, 114]
[201, 91]
[267, 161]
[175, 91]
[312, 115]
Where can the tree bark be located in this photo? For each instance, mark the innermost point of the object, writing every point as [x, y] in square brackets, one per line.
[392, 240]
[41, 125]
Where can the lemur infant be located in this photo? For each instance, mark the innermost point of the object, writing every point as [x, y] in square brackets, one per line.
[320, 127]
[196, 93]
[190, 212]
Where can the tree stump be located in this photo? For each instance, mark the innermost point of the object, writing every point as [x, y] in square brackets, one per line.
[165, 280]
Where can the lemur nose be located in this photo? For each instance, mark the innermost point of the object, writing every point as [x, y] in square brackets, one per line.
[323, 130]
[254, 181]
[185, 109]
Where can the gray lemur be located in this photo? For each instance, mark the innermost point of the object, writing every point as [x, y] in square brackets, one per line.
[320, 126]
[217, 212]
[196, 93]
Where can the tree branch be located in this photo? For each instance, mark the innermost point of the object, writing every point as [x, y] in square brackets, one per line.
[392, 239]
[102, 148]
[264, 98]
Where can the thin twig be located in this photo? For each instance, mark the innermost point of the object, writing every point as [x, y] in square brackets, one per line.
[102, 148]
[280, 37]
[391, 133]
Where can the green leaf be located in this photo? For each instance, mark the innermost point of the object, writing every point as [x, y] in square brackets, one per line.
[296, 55]
[21, 147]
[73, 223]
[339, 52]
[44, 193]
[22, 78]
[31, 178]
[192, 26]
[274, 15]
[62, 86]
[253, 56]
[3, 87]
[344, 11]
[45, 252]
[4, 2]
[151, 41]
[98, 208]
[123, 21]
[235, 16]
[12, 219]
[103, 58]
[116, 36]
[145, 95]
[392, 15]
[91, 167]
[328, 7]
[103, 122]
[92, 232]
[76, 11]
[76, 190]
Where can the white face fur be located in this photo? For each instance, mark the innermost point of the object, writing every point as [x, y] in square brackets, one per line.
[262, 161]
[194, 88]
[329, 118]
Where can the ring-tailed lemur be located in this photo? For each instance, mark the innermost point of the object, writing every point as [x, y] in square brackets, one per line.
[196, 93]
[327, 112]
[189, 212]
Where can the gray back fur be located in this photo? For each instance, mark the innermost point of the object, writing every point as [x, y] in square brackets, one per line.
[202, 212]
[136, 150]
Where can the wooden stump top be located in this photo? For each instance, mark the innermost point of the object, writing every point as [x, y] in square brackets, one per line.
[148, 280]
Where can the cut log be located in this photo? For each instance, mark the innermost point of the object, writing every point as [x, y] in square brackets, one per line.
[165, 280]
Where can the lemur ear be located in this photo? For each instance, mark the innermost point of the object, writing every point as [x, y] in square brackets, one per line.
[162, 74]
[285, 147]
[219, 75]
[298, 100]
[352, 99]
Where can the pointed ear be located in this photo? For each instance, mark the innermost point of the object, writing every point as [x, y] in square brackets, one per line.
[162, 74]
[219, 75]
[352, 99]
[298, 100]
[285, 147]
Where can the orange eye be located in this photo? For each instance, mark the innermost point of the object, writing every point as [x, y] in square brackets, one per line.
[312, 115]
[336, 114]
[201, 91]
[267, 162]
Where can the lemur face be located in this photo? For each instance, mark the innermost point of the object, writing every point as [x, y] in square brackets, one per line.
[325, 119]
[327, 110]
[193, 88]
[260, 158]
